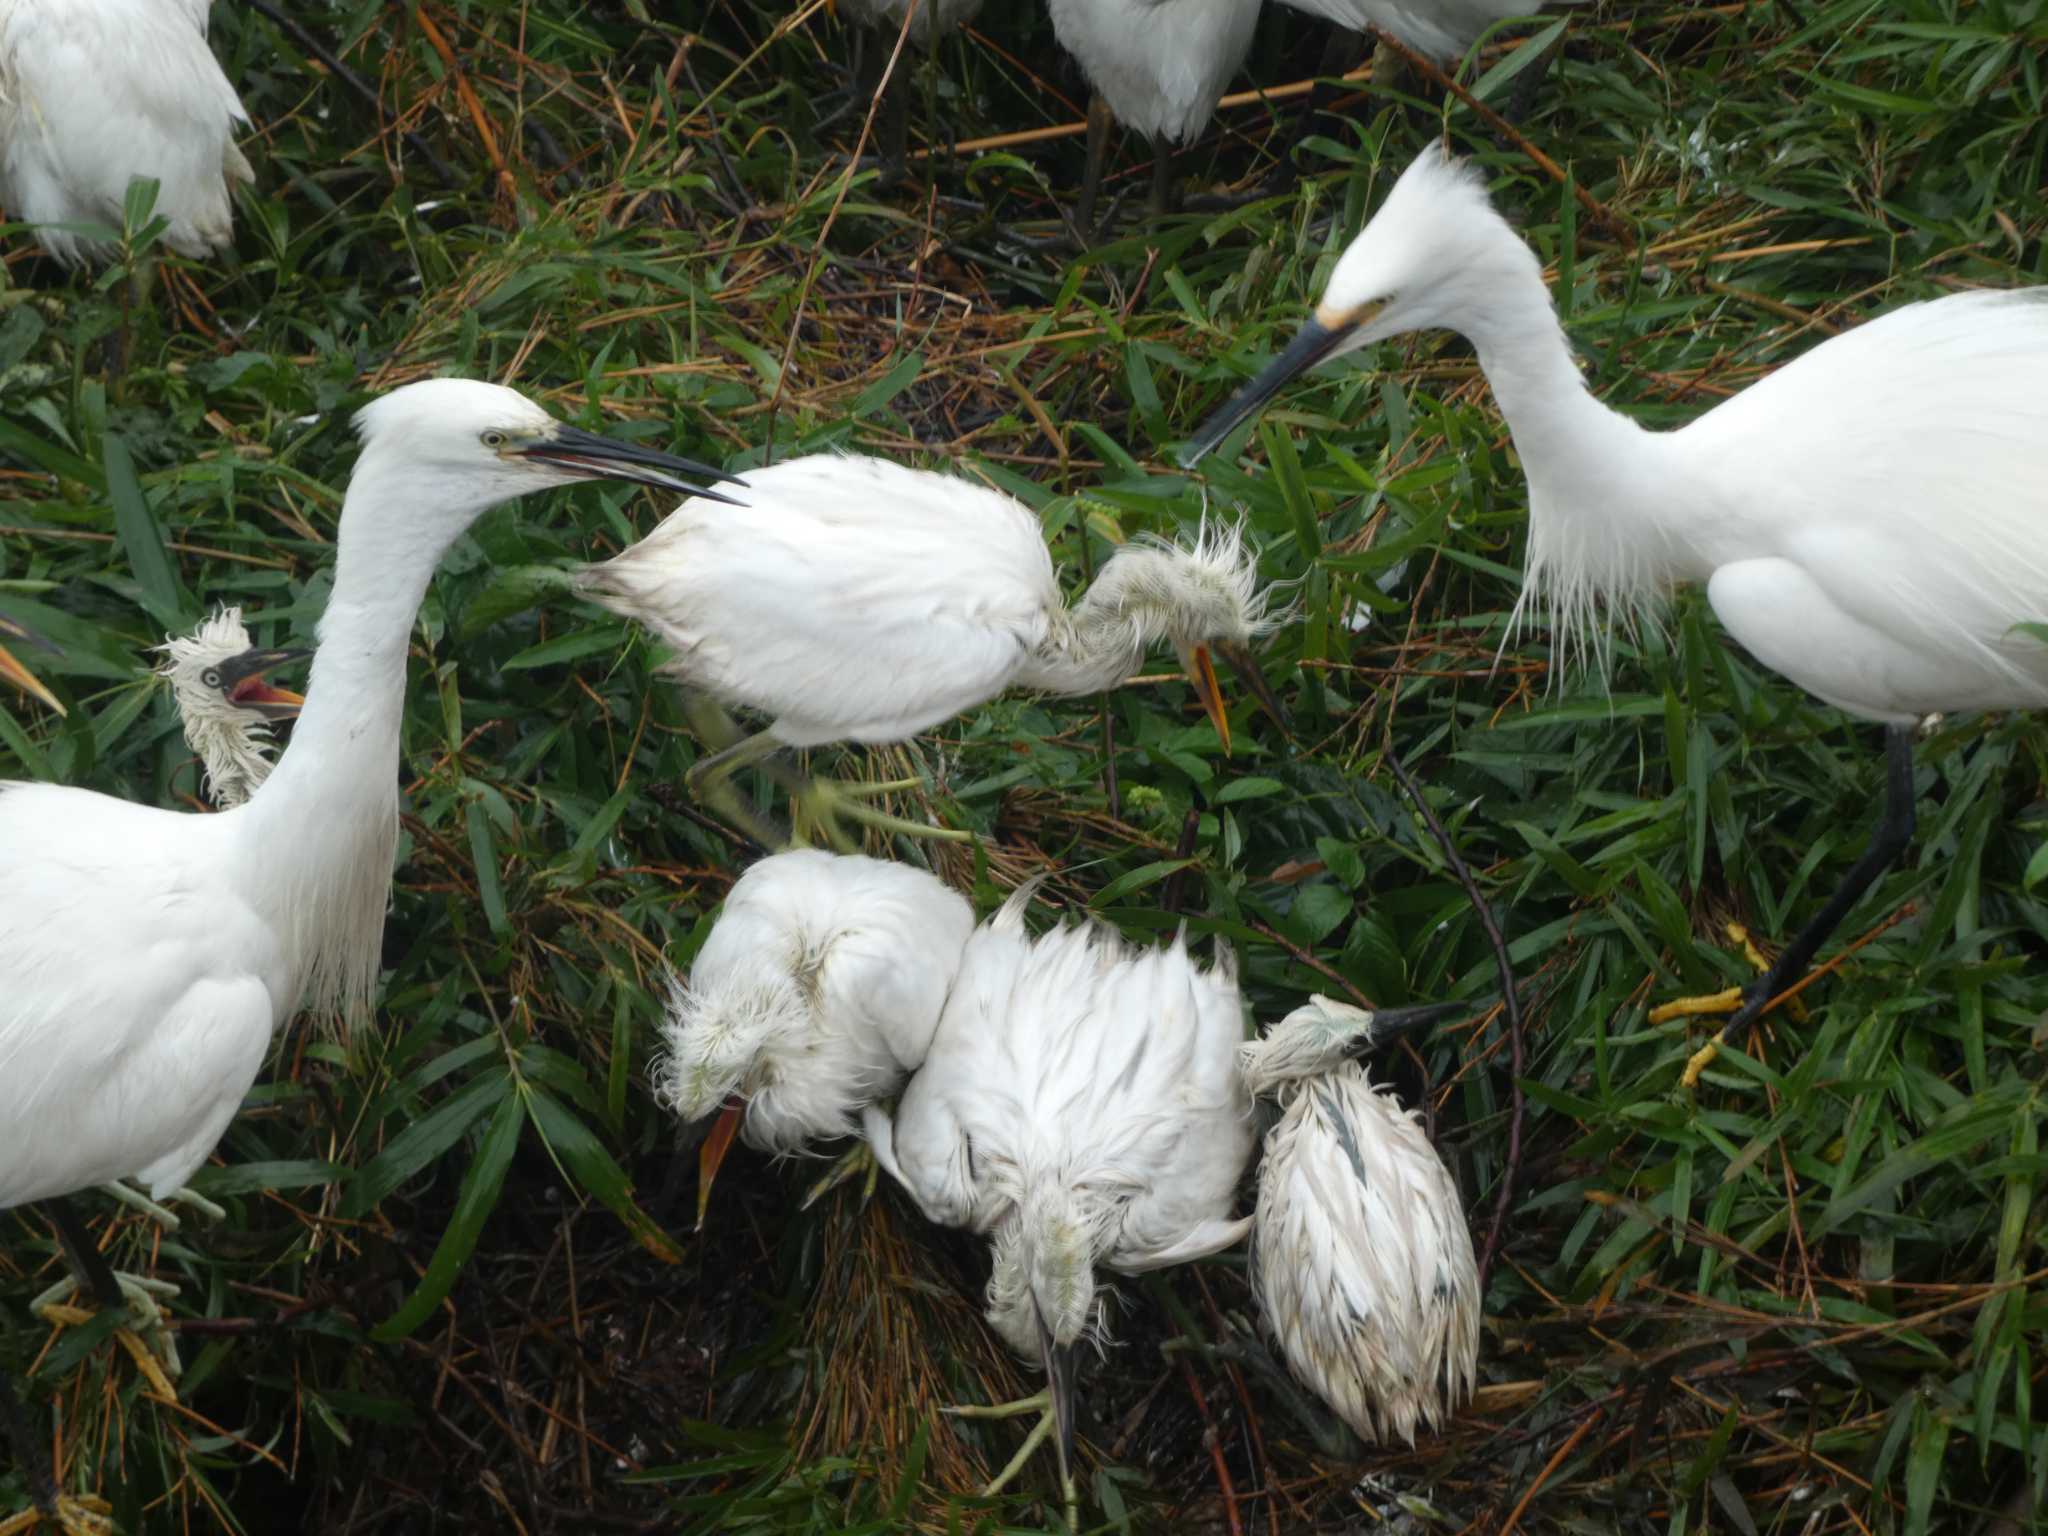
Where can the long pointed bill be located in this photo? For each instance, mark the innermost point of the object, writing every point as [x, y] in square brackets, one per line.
[14, 672]
[1390, 1024]
[711, 1156]
[242, 680]
[1246, 666]
[606, 458]
[1058, 1360]
[1314, 342]
[1201, 675]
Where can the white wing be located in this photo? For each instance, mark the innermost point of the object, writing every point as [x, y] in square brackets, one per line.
[94, 93]
[850, 599]
[140, 994]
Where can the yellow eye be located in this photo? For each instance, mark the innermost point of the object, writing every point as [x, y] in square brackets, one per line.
[495, 439]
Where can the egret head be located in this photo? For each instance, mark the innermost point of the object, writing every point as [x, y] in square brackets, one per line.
[225, 702]
[1042, 1295]
[1436, 254]
[1205, 598]
[1322, 1034]
[466, 445]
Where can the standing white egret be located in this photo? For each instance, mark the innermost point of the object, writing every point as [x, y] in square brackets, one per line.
[1871, 520]
[1081, 1104]
[12, 671]
[860, 600]
[1156, 66]
[226, 704]
[95, 94]
[149, 955]
[1361, 1260]
[815, 995]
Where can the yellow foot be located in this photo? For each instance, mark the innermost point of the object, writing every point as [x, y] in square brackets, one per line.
[859, 1163]
[1695, 1007]
[89, 1516]
[1700, 1060]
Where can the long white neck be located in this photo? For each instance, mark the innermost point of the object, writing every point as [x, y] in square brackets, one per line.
[1140, 597]
[1605, 506]
[321, 832]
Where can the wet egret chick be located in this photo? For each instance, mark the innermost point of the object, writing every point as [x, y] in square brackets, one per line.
[150, 955]
[1361, 1261]
[816, 994]
[95, 94]
[1870, 521]
[860, 600]
[19, 676]
[1082, 1106]
[1323, 1033]
[219, 682]
[1156, 66]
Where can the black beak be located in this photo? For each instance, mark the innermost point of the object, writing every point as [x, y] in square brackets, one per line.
[242, 681]
[1246, 666]
[1058, 1360]
[606, 458]
[1390, 1024]
[1314, 342]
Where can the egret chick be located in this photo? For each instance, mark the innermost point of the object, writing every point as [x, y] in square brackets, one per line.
[1870, 521]
[95, 94]
[150, 955]
[225, 704]
[1360, 1258]
[1156, 66]
[815, 995]
[860, 600]
[1081, 1105]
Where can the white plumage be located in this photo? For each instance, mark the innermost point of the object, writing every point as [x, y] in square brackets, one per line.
[149, 954]
[1361, 1261]
[1870, 520]
[96, 93]
[860, 600]
[816, 993]
[1160, 65]
[1081, 1104]
[1437, 29]
[226, 708]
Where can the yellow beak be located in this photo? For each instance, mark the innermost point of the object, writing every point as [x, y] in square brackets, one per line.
[1201, 675]
[15, 673]
[712, 1154]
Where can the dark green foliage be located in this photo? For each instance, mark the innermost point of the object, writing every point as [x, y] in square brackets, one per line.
[1809, 1301]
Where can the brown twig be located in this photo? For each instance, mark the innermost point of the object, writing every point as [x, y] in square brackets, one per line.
[1511, 1012]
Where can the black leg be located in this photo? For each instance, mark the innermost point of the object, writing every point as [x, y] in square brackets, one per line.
[1894, 832]
[86, 1259]
[1164, 164]
[28, 1450]
[1091, 175]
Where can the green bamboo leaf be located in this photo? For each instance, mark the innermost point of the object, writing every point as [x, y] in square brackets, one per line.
[478, 1196]
[424, 1140]
[142, 540]
[586, 1161]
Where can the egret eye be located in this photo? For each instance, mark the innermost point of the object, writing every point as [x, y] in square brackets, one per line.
[495, 439]
[210, 677]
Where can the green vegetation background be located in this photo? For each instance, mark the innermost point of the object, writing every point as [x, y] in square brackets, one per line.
[458, 1287]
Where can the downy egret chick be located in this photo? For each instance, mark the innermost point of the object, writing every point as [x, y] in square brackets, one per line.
[1361, 1260]
[861, 600]
[95, 94]
[1870, 521]
[14, 673]
[151, 955]
[226, 704]
[815, 995]
[1156, 66]
[1081, 1105]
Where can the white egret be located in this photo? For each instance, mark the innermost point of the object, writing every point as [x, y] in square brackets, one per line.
[815, 994]
[1156, 66]
[13, 672]
[1360, 1259]
[225, 703]
[1437, 29]
[149, 954]
[95, 94]
[1870, 521]
[861, 600]
[1081, 1105]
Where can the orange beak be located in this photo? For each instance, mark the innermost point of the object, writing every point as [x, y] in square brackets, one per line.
[14, 672]
[712, 1154]
[1201, 675]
